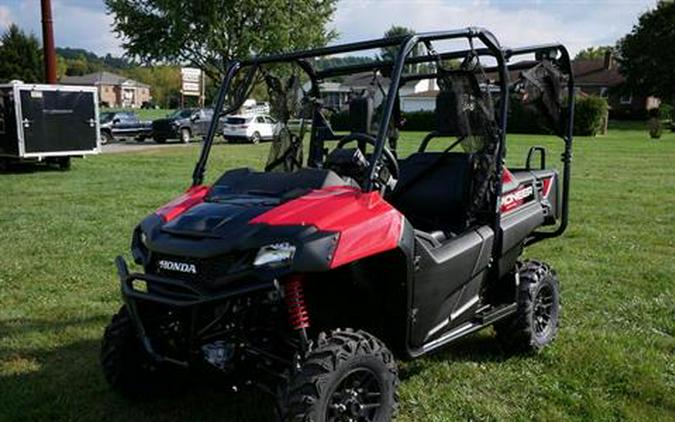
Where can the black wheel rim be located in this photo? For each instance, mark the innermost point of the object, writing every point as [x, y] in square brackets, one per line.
[543, 311]
[357, 398]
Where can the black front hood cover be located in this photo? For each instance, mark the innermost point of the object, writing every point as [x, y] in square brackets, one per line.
[215, 228]
[219, 219]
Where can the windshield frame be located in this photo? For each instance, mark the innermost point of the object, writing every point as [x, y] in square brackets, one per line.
[107, 116]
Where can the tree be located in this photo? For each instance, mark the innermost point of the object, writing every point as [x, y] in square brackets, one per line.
[163, 80]
[208, 33]
[390, 53]
[647, 55]
[20, 56]
[594, 52]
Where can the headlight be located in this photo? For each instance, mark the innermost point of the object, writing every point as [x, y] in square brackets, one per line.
[275, 255]
[144, 239]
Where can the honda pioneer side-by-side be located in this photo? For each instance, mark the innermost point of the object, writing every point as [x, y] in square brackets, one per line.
[353, 248]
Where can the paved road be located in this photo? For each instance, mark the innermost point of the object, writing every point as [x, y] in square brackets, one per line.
[131, 146]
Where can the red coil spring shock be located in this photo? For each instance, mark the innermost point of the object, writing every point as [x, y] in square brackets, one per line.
[295, 301]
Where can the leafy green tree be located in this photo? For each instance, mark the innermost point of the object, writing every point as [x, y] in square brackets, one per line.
[647, 53]
[164, 82]
[594, 52]
[389, 53]
[208, 33]
[20, 56]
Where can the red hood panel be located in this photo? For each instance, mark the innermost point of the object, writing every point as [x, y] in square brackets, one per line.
[367, 224]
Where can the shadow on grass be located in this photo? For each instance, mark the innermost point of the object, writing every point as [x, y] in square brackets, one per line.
[66, 383]
[29, 167]
[478, 348]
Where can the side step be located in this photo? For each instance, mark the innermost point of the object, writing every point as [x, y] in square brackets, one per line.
[481, 320]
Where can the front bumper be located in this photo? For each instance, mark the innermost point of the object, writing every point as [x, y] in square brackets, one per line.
[165, 133]
[137, 288]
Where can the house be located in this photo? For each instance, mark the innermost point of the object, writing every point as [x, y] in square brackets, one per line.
[419, 101]
[602, 77]
[336, 94]
[113, 90]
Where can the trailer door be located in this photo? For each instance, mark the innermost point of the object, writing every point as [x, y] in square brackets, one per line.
[58, 121]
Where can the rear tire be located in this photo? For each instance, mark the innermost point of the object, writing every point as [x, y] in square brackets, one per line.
[350, 374]
[185, 135]
[535, 323]
[63, 163]
[128, 368]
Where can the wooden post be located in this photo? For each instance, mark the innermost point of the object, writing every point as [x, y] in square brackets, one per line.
[49, 54]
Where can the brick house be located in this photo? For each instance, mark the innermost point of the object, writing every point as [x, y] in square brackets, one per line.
[602, 77]
[113, 90]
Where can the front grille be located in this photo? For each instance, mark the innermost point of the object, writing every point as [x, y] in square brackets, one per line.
[207, 271]
[162, 127]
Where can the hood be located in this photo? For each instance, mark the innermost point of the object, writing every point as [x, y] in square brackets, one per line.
[169, 120]
[219, 219]
[217, 228]
[329, 227]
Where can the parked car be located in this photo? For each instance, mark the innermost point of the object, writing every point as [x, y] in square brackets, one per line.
[182, 124]
[126, 124]
[250, 128]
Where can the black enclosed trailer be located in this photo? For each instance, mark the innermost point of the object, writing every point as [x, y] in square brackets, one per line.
[48, 123]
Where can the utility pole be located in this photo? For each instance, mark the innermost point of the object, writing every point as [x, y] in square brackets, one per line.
[49, 55]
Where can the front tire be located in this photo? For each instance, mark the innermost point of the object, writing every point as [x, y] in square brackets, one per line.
[106, 137]
[255, 138]
[535, 323]
[127, 367]
[185, 135]
[350, 375]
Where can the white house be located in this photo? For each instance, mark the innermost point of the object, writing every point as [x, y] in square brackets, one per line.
[419, 101]
[337, 94]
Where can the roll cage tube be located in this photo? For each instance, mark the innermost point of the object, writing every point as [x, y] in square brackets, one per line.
[405, 44]
[198, 173]
[566, 156]
[406, 47]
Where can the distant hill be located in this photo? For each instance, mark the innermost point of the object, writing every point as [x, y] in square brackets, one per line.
[86, 61]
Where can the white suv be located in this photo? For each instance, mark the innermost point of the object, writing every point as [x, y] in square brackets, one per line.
[253, 128]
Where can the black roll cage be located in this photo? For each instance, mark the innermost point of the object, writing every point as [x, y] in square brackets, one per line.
[397, 78]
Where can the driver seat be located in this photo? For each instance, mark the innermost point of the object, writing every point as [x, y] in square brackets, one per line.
[434, 190]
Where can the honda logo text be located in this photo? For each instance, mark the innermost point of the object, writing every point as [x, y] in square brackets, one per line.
[177, 266]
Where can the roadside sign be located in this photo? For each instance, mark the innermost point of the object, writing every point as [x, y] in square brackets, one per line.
[191, 81]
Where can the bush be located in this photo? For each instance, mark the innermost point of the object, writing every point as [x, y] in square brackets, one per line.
[340, 121]
[424, 121]
[666, 112]
[589, 115]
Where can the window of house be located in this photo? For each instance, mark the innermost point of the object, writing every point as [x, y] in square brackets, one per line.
[626, 99]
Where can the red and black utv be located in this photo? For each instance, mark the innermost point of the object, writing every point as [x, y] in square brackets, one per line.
[309, 276]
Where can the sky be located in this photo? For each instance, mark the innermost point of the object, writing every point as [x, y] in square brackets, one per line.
[576, 23]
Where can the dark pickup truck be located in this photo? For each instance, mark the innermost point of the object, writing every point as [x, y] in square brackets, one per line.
[183, 124]
[123, 124]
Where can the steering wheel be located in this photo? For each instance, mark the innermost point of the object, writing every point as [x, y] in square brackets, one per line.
[391, 163]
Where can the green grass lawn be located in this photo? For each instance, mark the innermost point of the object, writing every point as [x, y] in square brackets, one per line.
[613, 359]
[144, 114]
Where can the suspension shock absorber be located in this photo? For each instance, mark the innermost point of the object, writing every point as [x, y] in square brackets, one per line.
[294, 296]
